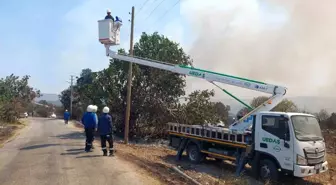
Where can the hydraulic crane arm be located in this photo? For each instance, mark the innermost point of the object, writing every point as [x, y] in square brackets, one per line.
[204, 74]
[240, 125]
[109, 36]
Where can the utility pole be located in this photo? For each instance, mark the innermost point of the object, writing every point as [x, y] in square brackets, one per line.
[71, 94]
[129, 82]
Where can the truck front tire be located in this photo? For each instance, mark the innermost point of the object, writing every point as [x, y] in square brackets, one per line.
[194, 154]
[268, 170]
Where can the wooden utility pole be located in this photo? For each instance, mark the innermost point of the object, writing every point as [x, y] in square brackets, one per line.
[129, 82]
[71, 94]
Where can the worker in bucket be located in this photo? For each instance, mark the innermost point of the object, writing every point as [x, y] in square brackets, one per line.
[66, 116]
[105, 131]
[89, 122]
[109, 16]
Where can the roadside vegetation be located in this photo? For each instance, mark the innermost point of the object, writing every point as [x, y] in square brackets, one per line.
[15, 99]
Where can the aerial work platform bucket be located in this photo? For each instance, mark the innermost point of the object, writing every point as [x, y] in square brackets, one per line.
[109, 32]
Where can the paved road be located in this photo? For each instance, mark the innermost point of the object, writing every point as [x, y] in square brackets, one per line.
[49, 152]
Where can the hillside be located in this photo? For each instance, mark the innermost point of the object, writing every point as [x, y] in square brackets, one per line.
[310, 103]
[313, 104]
[51, 98]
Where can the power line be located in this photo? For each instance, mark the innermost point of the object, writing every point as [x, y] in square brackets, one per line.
[142, 6]
[164, 14]
[154, 9]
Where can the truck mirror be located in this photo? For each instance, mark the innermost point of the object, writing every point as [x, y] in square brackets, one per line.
[286, 137]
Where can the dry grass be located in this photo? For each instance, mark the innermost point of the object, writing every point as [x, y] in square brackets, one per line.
[7, 131]
[159, 160]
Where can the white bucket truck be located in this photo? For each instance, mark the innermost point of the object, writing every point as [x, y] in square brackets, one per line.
[273, 143]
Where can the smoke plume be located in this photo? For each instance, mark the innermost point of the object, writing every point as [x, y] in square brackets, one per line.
[286, 42]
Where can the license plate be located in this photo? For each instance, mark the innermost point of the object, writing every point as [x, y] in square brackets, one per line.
[318, 166]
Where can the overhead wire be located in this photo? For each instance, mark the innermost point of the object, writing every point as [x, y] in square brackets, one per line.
[165, 13]
[143, 5]
[154, 9]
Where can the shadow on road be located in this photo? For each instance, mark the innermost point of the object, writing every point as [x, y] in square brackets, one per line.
[71, 135]
[90, 156]
[74, 153]
[74, 150]
[38, 146]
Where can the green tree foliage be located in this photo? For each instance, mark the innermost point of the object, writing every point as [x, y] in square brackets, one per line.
[15, 97]
[200, 110]
[155, 93]
[322, 115]
[44, 110]
[284, 106]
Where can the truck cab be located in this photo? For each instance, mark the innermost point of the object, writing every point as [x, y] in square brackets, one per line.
[292, 142]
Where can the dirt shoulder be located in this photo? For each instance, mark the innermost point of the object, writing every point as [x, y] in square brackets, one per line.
[9, 131]
[158, 160]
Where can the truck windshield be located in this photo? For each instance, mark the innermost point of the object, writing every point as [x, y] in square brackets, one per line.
[306, 128]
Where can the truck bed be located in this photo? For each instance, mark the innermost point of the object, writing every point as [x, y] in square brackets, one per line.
[208, 133]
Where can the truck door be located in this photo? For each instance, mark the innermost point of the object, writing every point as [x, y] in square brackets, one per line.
[273, 137]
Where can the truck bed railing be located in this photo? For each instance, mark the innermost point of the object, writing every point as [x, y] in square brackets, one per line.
[207, 132]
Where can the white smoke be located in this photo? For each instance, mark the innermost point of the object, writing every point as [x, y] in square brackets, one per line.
[286, 42]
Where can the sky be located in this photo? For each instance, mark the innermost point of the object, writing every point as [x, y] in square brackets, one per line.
[288, 43]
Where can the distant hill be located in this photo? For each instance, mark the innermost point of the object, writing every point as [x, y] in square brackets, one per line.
[51, 98]
[309, 103]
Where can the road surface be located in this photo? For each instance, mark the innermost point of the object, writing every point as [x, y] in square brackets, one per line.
[49, 152]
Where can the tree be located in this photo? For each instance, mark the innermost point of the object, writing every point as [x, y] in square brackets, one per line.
[322, 115]
[242, 112]
[284, 106]
[222, 111]
[15, 97]
[45, 109]
[199, 109]
[258, 101]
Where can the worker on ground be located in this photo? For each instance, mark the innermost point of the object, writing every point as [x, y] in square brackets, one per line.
[109, 16]
[94, 110]
[105, 131]
[66, 116]
[89, 122]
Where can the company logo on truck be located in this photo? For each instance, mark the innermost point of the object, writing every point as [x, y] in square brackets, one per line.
[196, 73]
[271, 140]
[260, 87]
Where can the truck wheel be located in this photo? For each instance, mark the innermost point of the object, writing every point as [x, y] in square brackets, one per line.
[268, 171]
[194, 154]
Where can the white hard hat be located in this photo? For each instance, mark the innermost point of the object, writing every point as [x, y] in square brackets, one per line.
[89, 108]
[108, 11]
[95, 108]
[106, 110]
[66, 110]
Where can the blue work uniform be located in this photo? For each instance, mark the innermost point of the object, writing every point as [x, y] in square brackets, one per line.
[66, 117]
[105, 131]
[109, 16]
[89, 121]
